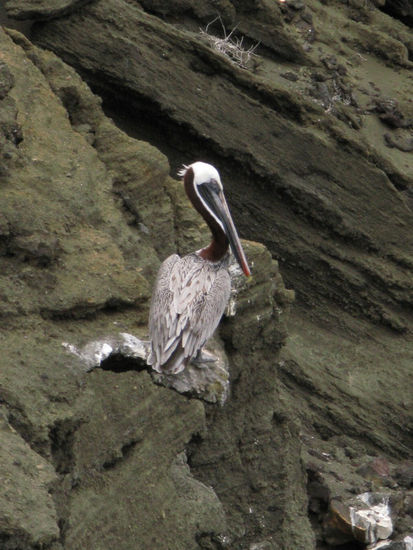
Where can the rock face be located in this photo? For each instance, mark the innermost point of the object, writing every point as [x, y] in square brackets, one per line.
[340, 219]
[33, 9]
[312, 136]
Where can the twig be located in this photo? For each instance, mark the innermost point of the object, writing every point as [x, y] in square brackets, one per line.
[231, 48]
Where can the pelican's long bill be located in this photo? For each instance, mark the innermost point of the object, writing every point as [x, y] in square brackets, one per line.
[213, 195]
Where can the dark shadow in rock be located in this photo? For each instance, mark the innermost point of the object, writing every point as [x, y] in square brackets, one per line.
[350, 546]
[142, 119]
[400, 9]
[61, 437]
[125, 451]
[119, 363]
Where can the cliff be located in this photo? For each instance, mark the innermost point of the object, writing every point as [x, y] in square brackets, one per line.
[311, 131]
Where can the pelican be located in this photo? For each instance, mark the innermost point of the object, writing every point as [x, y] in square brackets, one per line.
[191, 293]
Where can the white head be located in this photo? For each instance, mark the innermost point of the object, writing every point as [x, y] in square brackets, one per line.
[203, 173]
[205, 176]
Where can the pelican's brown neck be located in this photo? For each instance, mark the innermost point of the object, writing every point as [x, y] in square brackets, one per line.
[218, 247]
[216, 250]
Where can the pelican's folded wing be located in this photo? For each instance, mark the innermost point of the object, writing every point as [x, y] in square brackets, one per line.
[162, 318]
[207, 311]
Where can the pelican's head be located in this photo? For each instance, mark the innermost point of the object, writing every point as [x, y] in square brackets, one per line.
[205, 191]
[203, 173]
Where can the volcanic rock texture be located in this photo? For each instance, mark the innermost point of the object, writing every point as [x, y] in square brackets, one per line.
[311, 129]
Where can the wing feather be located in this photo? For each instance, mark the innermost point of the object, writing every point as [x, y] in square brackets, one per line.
[188, 301]
[161, 317]
[208, 311]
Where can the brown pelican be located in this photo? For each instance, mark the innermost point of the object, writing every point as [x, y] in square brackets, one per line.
[191, 293]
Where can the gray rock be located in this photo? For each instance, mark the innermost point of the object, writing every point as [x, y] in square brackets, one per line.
[6, 80]
[365, 518]
[404, 474]
[209, 380]
[27, 512]
[94, 353]
[405, 544]
[43, 9]
[372, 514]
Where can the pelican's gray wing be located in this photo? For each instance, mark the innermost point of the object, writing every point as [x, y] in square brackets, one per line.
[207, 310]
[160, 313]
[189, 299]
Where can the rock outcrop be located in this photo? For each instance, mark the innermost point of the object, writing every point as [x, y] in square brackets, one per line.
[312, 136]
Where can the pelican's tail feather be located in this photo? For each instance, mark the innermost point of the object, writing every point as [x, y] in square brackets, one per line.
[175, 364]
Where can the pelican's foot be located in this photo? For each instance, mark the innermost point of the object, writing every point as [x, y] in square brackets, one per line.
[204, 356]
